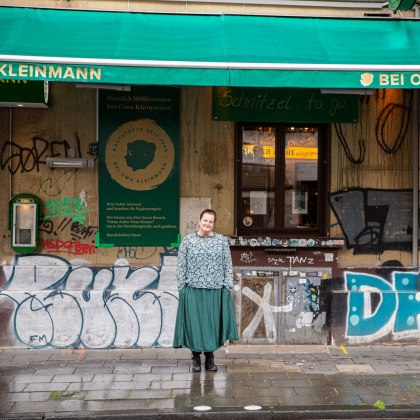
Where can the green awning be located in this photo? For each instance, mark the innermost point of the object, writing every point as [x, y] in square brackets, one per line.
[208, 50]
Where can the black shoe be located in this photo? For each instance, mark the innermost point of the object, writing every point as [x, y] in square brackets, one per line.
[209, 363]
[196, 365]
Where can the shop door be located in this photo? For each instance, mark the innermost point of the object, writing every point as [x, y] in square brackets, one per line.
[280, 307]
[305, 322]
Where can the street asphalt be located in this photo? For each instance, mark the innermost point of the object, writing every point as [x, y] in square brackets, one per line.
[253, 381]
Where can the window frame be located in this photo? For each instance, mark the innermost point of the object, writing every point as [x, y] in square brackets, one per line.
[279, 230]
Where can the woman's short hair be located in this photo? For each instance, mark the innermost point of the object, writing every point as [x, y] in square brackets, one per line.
[208, 211]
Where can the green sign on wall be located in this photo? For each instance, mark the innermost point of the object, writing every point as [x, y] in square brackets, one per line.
[283, 105]
[139, 166]
[27, 93]
[401, 4]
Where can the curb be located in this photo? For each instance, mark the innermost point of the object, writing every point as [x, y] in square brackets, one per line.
[267, 413]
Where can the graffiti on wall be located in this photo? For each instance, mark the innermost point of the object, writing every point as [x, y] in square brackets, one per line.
[71, 247]
[67, 207]
[139, 253]
[374, 220]
[52, 303]
[72, 214]
[16, 158]
[305, 295]
[279, 306]
[66, 225]
[377, 307]
[258, 309]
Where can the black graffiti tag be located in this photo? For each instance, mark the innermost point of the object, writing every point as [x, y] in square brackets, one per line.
[17, 158]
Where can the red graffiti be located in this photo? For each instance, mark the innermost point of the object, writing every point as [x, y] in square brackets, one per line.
[68, 246]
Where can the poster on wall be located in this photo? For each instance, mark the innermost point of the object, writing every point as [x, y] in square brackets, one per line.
[139, 166]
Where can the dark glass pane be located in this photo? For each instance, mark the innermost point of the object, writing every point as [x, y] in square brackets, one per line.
[301, 177]
[258, 177]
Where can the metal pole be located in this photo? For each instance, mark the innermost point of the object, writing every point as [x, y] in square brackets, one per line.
[415, 179]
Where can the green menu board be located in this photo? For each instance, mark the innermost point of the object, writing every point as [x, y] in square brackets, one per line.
[283, 105]
[139, 166]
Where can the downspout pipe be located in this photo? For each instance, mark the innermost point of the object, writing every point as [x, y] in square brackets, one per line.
[415, 164]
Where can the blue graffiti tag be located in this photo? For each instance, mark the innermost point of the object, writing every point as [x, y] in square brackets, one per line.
[395, 312]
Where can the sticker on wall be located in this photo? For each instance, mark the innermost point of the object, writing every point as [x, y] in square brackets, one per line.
[247, 221]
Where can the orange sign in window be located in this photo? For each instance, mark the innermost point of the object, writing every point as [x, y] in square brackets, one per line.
[302, 153]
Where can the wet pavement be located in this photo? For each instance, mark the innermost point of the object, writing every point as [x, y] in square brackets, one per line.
[304, 382]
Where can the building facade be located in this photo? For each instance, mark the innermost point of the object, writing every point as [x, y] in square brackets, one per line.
[315, 187]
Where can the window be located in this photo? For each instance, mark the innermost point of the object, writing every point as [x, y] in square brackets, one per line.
[281, 179]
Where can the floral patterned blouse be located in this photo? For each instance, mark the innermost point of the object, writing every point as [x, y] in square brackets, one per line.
[204, 262]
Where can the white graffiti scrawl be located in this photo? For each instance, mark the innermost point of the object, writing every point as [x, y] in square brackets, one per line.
[54, 303]
[265, 310]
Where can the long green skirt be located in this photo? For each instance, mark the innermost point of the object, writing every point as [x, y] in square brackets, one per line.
[205, 319]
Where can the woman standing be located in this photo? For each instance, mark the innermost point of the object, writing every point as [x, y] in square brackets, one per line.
[205, 318]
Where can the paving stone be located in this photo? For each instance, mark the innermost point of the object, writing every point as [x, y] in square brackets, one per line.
[118, 380]
[159, 404]
[170, 369]
[13, 387]
[126, 405]
[78, 405]
[283, 393]
[153, 393]
[290, 383]
[32, 356]
[131, 385]
[238, 384]
[35, 407]
[331, 369]
[42, 386]
[92, 370]
[112, 356]
[5, 407]
[113, 377]
[152, 377]
[61, 370]
[26, 396]
[386, 399]
[176, 393]
[73, 378]
[395, 390]
[315, 392]
[352, 368]
[11, 370]
[138, 369]
[139, 354]
[212, 402]
[88, 386]
[108, 394]
[170, 384]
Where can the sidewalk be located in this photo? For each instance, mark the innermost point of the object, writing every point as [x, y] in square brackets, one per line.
[304, 382]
